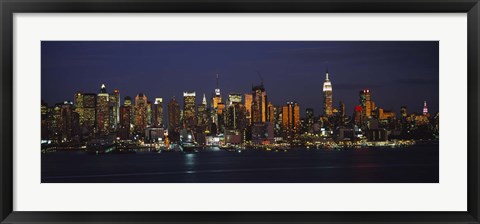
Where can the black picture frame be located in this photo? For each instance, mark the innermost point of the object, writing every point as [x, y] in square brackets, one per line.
[9, 7]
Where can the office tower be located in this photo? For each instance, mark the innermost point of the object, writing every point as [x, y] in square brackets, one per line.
[291, 119]
[125, 119]
[114, 108]
[259, 104]
[327, 96]
[158, 112]
[357, 114]
[202, 116]
[248, 106]
[341, 113]
[234, 114]
[217, 97]
[149, 114]
[174, 123]
[189, 115]
[425, 109]
[366, 103]
[78, 105]
[270, 112]
[102, 112]
[89, 111]
[141, 113]
[66, 118]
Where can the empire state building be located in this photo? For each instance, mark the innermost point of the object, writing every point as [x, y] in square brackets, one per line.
[327, 96]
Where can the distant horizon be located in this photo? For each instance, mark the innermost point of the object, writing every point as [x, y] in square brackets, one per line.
[290, 70]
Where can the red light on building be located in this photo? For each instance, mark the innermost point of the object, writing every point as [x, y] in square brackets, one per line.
[358, 108]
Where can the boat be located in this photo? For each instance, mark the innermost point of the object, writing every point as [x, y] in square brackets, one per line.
[189, 147]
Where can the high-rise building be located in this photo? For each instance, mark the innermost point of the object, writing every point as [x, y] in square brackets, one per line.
[78, 105]
[114, 108]
[270, 112]
[291, 119]
[234, 115]
[217, 97]
[189, 115]
[125, 119]
[366, 103]
[89, 111]
[259, 104]
[425, 109]
[102, 111]
[149, 114]
[327, 96]
[174, 123]
[248, 106]
[158, 112]
[141, 113]
[202, 116]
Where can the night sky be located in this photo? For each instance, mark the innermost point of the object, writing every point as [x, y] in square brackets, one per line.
[396, 72]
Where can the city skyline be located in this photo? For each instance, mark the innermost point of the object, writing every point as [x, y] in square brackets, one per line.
[424, 88]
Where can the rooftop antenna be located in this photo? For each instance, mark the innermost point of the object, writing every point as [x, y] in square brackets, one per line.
[217, 80]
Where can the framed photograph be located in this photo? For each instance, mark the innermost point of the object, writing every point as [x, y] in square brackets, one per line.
[263, 111]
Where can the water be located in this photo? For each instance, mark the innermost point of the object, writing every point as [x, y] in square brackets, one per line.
[416, 164]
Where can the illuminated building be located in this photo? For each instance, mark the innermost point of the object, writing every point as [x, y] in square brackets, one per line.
[114, 107]
[189, 116]
[234, 115]
[248, 106]
[202, 117]
[78, 104]
[425, 109]
[270, 112]
[259, 104]
[357, 114]
[125, 119]
[89, 111]
[66, 119]
[141, 113]
[149, 114]
[102, 111]
[158, 112]
[217, 97]
[327, 96]
[291, 120]
[366, 103]
[174, 123]
[234, 98]
[220, 117]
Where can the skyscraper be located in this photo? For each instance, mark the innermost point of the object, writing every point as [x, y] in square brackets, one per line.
[125, 119]
[270, 112]
[202, 116]
[141, 113]
[189, 115]
[114, 107]
[174, 123]
[310, 118]
[259, 104]
[102, 111]
[248, 106]
[89, 111]
[425, 109]
[291, 119]
[217, 97]
[327, 96]
[366, 103]
[158, 112]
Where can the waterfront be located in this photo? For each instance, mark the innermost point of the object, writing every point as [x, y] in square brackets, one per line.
[415, 164]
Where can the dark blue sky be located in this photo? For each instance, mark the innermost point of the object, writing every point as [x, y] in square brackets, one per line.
[396, 72]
